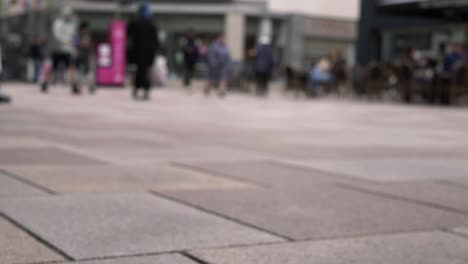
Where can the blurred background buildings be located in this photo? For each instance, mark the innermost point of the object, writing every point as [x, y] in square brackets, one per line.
[387, 27]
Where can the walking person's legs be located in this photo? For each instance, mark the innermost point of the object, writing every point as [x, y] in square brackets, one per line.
[76, 74]
[258, 80]
[208, 87]
[37, 70]
[262, 83]
[74, 79]
[222, 89]
[138, 81]
[145, 81]
[266, 81]
[188, 74]
[223, 82]
[212, 81]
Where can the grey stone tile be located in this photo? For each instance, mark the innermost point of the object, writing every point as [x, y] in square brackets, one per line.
[92, 226]
[162, 259]
[427, 248]
[110, 142]
[122, 178]
[321, 211]
[13, 187]
[34, 156]
[433, 193]
[394, 170]
[460, 182]
[22, 142]
[269, 173]
[18, 247]
[358, 152]
[181, 153]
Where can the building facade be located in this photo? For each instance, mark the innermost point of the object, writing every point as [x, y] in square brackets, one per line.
[298, 38]
[388, 27]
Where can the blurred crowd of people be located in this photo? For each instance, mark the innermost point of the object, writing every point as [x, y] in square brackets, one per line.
[218, 61]
[70, 58]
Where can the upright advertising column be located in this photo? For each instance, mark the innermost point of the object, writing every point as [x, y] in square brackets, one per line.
[111, 61]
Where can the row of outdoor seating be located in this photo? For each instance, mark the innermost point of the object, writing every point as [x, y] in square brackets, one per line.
[411, 85]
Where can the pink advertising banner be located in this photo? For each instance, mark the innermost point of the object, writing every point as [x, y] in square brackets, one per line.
[111, 61]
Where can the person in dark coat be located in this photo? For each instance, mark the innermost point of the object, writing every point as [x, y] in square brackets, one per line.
[191, 54]
[143, 45]
[263, 65]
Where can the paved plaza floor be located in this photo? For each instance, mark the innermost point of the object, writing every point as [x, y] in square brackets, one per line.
[187, 179]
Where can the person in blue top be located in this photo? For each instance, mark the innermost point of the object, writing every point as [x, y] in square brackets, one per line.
[452, 57]
[219, 60]
[263, 65]
[321, 75]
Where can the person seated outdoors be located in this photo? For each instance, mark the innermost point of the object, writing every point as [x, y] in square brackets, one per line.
[321, 75]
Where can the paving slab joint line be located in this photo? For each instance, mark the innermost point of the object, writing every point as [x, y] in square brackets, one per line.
[322, 171]
[452, 184]
[117, 257]
[452, 232]
[194, 258]
[219, 175]
[225, 217]
[48, 262]
[401, 199]
[141, 255]
[38, 238]
[27, 182]
[332, 239]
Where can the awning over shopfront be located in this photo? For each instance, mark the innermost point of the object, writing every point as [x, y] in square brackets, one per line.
[448, 9]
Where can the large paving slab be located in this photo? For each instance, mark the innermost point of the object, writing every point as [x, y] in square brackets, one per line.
[394, 170]
[175, 154]
[427, 248]
[93, 226]
[111, 142]
[336, 151]
[456, 182]
[162, 259]
[431, 193]
[122, 178]
[269, 173]
[17, 246]
[13, 187]
[321, 211]
[51, 156]
[22, 142]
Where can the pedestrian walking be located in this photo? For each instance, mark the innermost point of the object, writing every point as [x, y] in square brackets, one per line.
[3, 98]
[83, 58]
[191, 55]
[143, 45]
[64, 33]
[219, 60]
[36, 55]
[263, 65]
